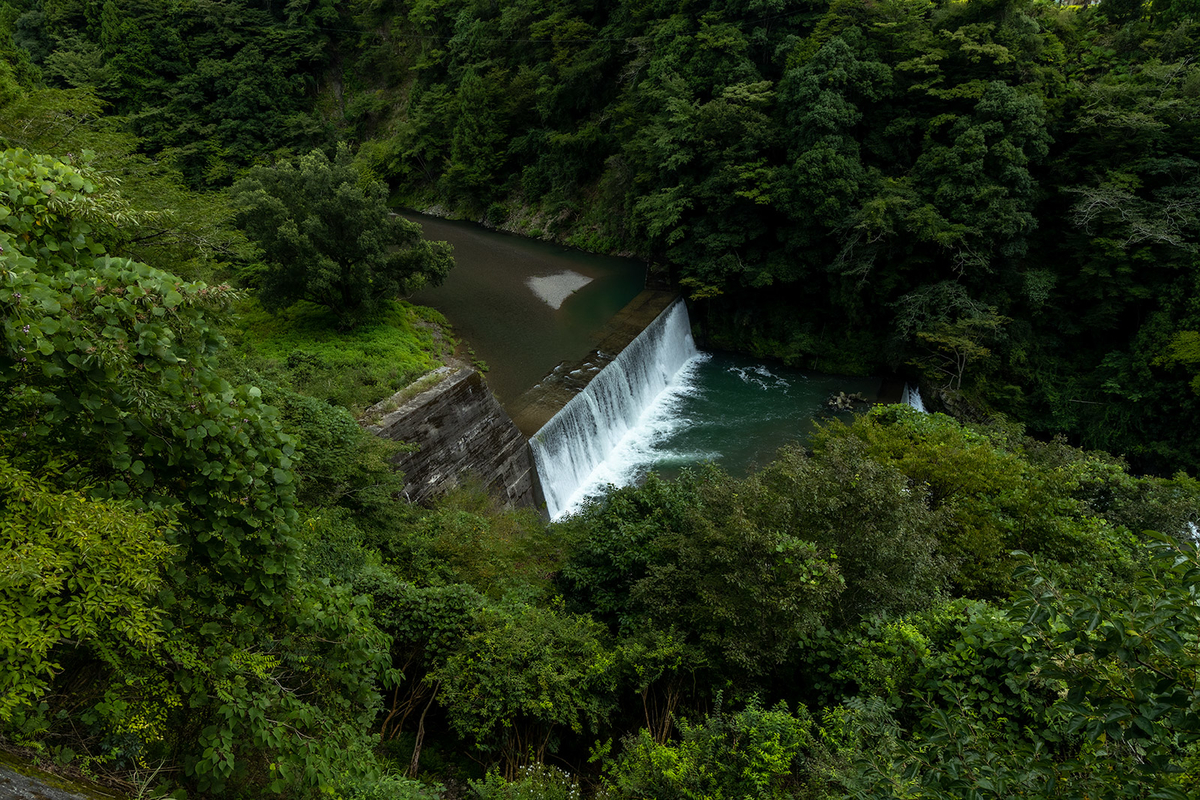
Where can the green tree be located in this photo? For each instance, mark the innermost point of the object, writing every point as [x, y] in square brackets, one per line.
[953, 346]
[711, 562]
[88, 571]
[107, 368]
[705, 183]
[822, 104]
[327, 236]
[994, 499]
[866, 514]
[477, 141]
[524, 677]
[337, 462]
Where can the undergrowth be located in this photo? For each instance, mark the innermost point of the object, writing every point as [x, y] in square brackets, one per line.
[303, 348]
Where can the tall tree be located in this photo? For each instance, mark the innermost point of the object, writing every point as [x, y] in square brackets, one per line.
[327, 236]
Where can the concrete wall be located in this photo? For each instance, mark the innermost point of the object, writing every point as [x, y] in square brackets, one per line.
[459, 428]
[535, 408]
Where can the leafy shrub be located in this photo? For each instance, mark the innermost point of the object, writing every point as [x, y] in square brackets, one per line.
[750, 753]
[533, 782]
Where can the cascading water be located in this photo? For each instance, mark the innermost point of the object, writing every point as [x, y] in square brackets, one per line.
[575, 442]
[911, 396]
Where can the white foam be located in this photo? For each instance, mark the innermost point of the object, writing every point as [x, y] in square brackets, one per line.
[637, 450]
[761, 377]
[555, 289]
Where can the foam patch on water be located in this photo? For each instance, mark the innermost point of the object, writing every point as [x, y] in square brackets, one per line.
[555, 289]
[638, 449]
[762, 377]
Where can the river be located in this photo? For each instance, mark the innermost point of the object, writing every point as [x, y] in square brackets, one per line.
[525, 306]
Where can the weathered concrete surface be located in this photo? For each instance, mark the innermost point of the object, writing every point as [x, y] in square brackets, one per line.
[534, 409]
[15, 786]
[459, 429]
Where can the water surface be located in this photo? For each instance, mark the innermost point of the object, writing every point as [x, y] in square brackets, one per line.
[728, 409]
[522, 305]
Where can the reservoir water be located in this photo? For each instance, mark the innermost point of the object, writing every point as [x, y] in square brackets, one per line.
[525, 306]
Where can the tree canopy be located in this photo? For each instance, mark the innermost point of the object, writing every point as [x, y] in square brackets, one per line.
[208, 579]
[326, 235]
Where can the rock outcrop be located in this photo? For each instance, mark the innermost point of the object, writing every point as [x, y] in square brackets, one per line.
[39, 785]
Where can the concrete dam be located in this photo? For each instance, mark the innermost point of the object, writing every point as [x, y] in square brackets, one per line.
[539, 450]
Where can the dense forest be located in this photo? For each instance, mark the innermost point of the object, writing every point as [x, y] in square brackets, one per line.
[209, 586]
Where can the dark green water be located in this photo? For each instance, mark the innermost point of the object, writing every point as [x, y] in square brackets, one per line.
[519, 335]
[739, 412]
[728, 409]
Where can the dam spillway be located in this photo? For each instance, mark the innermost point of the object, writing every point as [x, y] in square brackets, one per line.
[718, 407]
[580, 413]
[721, 407]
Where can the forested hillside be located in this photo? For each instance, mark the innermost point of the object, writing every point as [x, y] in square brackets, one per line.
[209, 586]
[999, 196]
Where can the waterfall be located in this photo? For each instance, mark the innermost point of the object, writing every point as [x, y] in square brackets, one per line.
[911, 396]
[577, 440]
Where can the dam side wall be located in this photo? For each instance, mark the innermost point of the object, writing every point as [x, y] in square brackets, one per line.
[459, 429]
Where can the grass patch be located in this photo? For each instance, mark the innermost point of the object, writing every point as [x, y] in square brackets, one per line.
[303, 348]
[410, 391]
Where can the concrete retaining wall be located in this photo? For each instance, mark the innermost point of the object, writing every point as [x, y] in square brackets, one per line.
[459, 429]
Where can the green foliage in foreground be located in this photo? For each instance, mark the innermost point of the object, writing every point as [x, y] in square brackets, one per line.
[1061, 694]
[74, 568]
[535, 782]
[107, 371]
[498, 665]
[752, 752]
